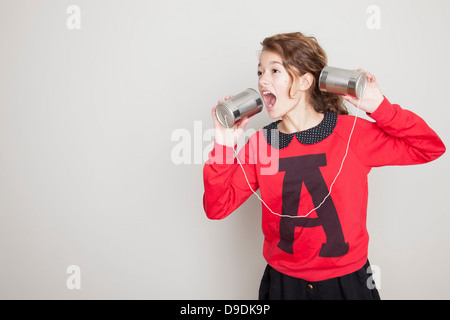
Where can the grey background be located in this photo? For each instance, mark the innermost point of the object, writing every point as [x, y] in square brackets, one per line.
[87, 176]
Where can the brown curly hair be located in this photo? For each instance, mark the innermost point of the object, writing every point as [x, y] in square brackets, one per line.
[301, 55]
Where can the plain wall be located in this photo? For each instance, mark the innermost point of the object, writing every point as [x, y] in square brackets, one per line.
[91, 120]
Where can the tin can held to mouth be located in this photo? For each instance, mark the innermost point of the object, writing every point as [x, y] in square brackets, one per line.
[245, 104]
[343, 81]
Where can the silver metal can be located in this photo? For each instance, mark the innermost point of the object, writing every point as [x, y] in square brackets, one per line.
[245, 104]
[343, 81]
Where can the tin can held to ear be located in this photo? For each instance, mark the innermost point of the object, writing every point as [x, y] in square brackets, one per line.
[343, 81]
[245, 104]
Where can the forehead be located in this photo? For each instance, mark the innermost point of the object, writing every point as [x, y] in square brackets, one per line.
[268, 58]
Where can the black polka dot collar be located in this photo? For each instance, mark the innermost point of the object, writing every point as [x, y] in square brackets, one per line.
[280, 140]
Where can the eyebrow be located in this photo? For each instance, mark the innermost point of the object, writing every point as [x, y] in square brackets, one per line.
[271, 62]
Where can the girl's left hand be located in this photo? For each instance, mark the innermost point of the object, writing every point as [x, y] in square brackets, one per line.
[372, 97]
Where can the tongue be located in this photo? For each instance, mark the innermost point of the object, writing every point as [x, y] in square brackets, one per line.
[270, 100]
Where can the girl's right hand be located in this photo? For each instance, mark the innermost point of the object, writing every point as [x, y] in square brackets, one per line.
[372, 97]
[228, 136]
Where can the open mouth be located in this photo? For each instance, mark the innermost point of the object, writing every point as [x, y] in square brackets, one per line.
[269, 98]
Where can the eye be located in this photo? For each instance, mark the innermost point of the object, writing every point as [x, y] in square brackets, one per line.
[259, 73]
[275, 71]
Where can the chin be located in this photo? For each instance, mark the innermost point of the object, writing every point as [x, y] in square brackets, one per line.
[274, 114]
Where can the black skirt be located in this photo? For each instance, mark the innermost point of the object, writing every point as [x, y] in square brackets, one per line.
[358, 285]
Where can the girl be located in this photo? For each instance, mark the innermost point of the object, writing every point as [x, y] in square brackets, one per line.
[314, 203]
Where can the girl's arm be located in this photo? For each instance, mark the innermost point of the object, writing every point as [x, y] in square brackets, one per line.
[225, 185]
[398, 137]
[224, 182]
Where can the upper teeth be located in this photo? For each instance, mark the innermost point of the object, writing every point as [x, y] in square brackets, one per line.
[266, 93]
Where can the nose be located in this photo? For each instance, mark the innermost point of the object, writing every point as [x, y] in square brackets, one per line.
[263, 81]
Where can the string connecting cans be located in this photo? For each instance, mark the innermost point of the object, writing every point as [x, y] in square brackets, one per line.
[331, 186]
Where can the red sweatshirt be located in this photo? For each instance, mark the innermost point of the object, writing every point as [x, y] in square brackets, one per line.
[294, 174]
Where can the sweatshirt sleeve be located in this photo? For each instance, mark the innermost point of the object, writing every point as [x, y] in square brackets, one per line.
[398, 137]
[225, 184]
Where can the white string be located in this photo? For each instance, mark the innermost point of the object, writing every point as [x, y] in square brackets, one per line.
[331, 186]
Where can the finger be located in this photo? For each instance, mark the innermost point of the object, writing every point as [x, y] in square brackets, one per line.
[213, 113]
[370, 77]
[350, 99]
[347, 97]
[244, 122]
[227, 97]
[368, 74]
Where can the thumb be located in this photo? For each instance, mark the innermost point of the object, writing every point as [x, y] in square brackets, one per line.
[241, 125]
[351, 99]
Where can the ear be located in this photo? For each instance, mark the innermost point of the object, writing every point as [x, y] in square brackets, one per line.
[306, 81]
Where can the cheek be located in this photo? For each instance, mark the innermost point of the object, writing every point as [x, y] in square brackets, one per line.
[283, 86]
[285, 83]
